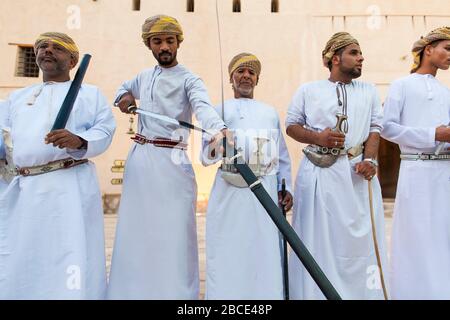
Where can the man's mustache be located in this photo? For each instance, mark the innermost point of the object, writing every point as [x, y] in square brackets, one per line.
[164, 54]
[49, 57]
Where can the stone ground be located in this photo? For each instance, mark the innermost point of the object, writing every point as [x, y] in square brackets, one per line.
[110, 226]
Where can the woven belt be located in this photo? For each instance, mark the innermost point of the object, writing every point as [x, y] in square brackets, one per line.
[424, 156]
[49, 167]
[160, 142]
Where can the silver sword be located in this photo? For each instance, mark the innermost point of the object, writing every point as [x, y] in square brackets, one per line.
[134, 109]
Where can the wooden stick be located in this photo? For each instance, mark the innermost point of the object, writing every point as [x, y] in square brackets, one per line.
[375, 242]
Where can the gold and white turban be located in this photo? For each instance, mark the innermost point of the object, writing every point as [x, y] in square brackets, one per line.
[59, 38]
[338, 41]
[161, 24]
[246, 60]
[442, 33]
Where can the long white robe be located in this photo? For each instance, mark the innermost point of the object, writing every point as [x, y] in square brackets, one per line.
[420, 258]
[51, 225]
[155, 251]
[243, 245]
[3, 115]
[331, 207]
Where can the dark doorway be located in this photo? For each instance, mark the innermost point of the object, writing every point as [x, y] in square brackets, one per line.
[389, 165]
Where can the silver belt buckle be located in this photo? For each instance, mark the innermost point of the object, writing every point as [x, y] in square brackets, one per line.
[67, 163]
[326, 150]
[435, 157]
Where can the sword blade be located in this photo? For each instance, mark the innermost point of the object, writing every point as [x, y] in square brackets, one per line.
[169, 120]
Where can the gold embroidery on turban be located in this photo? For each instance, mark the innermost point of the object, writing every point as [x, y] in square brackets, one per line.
[246, 60]
[442, 33]
[61, 39]
[338, 41]
[161, 24]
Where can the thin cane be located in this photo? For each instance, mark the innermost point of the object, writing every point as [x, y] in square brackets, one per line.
[375, 242]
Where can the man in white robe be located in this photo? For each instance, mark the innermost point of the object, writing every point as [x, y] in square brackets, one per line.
[51, 230]
[243, 245]
[331, 211]
[416, 117]
[155, 252]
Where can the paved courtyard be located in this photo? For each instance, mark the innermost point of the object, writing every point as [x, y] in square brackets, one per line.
[110, 226]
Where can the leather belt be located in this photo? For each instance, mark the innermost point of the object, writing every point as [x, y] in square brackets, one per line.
[160, 142]
[424, 156]
[49, 167]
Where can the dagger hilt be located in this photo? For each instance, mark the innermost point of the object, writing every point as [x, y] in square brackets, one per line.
[341, 123]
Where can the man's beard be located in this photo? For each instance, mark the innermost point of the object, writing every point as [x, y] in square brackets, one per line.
[353, 72]
[166, 62]
[244, 92]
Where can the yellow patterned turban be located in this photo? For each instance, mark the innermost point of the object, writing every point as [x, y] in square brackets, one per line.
[338, 41]
[442, 33]
[247, 60]
[161, 24]
[60, 38]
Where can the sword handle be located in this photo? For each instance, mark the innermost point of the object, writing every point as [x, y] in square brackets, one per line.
[132, 108]
[224, 145]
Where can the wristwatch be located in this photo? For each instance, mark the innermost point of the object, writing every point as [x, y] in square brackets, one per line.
[372, 161]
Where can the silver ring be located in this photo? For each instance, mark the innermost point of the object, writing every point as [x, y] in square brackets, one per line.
[335, 143]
